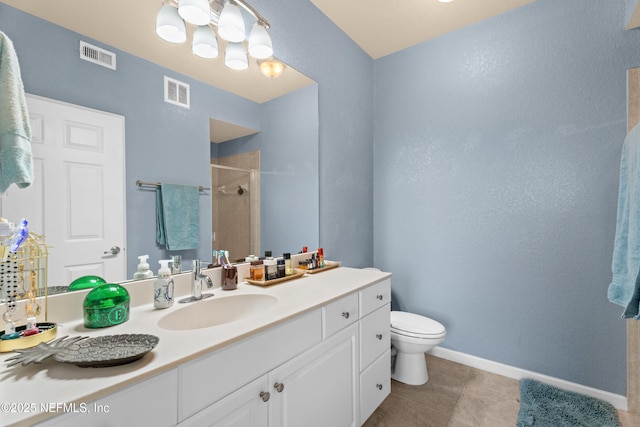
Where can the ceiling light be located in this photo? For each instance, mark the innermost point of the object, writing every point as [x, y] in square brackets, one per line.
[272, 68]
[204, 42]
[226, 18]
[195, 12]
[235, 57]
[259, 42]
[231, 25]
[169, 26]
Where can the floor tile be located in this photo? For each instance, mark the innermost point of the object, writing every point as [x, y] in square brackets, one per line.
[457, 396]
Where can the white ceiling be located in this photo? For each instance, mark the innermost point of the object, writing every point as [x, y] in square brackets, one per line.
[368, 22]
[381, 27]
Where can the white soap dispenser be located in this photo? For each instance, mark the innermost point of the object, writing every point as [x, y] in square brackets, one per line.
[163, 286]
[143, 269]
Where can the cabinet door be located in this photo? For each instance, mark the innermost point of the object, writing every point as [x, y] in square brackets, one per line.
[152, 402]
[320, 387]
[246, 407]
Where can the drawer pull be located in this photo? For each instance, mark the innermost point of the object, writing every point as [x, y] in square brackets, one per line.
[265, 396]
[379, 386]
[379, 336]
[345, 314]
[380, 297]
[279, 387]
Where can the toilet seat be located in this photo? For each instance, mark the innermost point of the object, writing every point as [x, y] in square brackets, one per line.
[416, 326]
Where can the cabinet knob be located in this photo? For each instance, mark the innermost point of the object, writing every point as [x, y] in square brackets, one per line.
[345, 314]
[379, 336]
[379, 386]
[380, 297]
[279, 387]
[265, 396]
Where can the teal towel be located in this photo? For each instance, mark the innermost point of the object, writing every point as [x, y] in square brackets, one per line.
[624, 289]
[178, 216]
[16, 164]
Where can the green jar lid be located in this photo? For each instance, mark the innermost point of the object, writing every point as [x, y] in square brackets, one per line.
[106, 305]
[86, 282]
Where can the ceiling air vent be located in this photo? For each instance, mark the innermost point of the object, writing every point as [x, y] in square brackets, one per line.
[97, 55]
[176, 92]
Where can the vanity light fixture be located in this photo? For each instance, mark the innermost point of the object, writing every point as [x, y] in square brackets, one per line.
[227, 18]
[271, 68]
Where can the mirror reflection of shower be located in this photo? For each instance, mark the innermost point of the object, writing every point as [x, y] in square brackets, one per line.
[235, 205]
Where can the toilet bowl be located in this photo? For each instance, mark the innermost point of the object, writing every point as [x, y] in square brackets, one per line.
[413, 335]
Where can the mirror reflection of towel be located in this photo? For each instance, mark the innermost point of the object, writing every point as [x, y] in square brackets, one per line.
[16, 165]
[178, 216]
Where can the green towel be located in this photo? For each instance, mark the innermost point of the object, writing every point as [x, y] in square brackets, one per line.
[16, 164]
[178, 217]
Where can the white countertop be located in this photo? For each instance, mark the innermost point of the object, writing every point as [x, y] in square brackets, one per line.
[24, 388]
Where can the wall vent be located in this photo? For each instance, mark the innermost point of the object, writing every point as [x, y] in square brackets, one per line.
[176, 92]
[97, 55]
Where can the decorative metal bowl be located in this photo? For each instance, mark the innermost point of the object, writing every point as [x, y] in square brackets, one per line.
[97, 352]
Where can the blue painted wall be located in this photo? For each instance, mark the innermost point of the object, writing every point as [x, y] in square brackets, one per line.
[496, 162]
[497, 152]
[288, 144]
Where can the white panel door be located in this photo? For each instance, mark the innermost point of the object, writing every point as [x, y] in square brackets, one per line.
[77, 199]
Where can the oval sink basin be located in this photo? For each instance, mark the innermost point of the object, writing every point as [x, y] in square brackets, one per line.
[216, 311]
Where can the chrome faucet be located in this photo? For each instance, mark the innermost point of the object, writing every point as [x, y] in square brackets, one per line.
[196, 283]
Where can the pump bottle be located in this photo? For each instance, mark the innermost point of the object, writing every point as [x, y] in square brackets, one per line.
[143, 269]
[163, 286]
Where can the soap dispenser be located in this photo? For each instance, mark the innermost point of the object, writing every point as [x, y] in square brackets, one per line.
[143, 269]
[163, 286]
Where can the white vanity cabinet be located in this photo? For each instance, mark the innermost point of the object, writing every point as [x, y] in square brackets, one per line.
[375, 346]
[326, 367]
[151, 402]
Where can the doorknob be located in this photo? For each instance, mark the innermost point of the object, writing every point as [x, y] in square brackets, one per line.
[113, 251]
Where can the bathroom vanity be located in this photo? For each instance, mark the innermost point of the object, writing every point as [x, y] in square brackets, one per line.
[318, 356]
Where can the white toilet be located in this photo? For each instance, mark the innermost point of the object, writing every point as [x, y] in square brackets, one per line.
[413, 335]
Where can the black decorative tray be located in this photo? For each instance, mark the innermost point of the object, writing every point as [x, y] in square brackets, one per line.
[97, 352]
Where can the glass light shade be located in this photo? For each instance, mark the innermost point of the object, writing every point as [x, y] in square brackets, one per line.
[196, 12]
[272, 68]
[260, 42]
[169, 25]
[235, 57]
[231, 24]
[204, 42]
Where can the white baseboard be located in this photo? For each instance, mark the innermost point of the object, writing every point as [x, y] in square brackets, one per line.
[618, 401]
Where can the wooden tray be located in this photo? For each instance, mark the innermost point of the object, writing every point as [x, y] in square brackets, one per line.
[328, 265]
[296, 275]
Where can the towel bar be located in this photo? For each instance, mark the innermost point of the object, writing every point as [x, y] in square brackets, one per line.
[158, 184]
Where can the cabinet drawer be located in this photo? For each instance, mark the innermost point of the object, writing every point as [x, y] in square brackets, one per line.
[339, 314]
[375, 296]
[374, 335]
[211, 377]
[375, 385]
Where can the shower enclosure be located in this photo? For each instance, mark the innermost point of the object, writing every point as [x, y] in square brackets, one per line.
[235, 207]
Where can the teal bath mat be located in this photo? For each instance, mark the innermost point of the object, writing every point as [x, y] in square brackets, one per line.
[542, 405]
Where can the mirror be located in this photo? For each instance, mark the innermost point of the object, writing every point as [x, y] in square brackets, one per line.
[167, 143]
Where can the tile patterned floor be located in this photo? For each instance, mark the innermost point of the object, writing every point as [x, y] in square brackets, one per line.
[457, 396]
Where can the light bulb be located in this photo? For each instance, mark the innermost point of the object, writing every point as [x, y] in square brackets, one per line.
[195, 12]
[169, 25]
[231, 23]
[272, 68]
[235, 57]
[259, 42]
[204, 42]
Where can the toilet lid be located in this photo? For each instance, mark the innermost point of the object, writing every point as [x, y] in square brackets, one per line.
[415, 325]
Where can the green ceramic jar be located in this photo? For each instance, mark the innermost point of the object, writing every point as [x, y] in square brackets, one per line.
[106, 305]
[86, 282]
